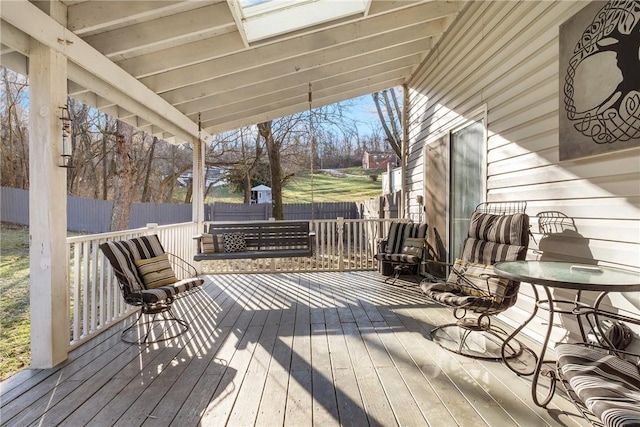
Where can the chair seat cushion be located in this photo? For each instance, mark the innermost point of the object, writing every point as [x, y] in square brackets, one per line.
[443, 293]
[399, 258]
[477, 279]
[154, 296]
[608, 386]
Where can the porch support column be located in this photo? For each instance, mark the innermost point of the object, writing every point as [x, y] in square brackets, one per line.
[47, 209]
[404, 205]
[197, 202]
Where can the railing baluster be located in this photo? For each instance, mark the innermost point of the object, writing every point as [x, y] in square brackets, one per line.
[95, 294]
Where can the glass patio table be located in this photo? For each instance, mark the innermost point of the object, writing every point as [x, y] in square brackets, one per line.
[562, 275]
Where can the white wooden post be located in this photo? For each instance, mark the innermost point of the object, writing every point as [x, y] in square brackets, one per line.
[197, 197]
[340, 227]
[47, 209]
[404, 205]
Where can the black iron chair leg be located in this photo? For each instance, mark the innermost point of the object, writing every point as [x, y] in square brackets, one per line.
[165, 320]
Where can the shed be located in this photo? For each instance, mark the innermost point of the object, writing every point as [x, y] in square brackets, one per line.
[261, 194]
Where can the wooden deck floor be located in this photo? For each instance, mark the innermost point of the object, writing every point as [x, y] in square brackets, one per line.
[286, 349]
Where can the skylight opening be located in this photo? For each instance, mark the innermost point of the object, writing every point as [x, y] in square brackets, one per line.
[263, 19]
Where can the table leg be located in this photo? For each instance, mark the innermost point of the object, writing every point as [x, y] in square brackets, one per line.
[505, 356]
[540, 362]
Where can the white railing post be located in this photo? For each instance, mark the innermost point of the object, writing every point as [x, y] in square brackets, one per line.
[340, 226]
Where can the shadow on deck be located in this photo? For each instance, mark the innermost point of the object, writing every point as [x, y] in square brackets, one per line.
[283, 349]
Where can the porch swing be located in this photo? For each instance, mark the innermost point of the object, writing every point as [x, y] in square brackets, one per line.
[259, 239]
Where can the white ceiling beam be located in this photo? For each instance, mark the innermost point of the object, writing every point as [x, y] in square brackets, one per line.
[169, 31]
[180, 56]
[378, 7]
[299, 93]
[15, 61]
[13, 37]
[302, 45]
[110, 97]
[243, 97]
[231, 123]
[311, 66]
[47, 31]
[89, 17]
[236, 12]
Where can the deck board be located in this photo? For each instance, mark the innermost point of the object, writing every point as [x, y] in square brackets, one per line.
[322, 349]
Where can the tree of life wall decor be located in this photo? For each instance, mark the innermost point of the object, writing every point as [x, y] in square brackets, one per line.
[600, 79]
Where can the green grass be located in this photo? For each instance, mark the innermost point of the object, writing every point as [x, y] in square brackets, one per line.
[14, 300]
[326, 188]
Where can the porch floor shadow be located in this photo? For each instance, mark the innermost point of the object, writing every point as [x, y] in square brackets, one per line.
[298, 349]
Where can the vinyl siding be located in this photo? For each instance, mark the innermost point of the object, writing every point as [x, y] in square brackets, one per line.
[503, 57]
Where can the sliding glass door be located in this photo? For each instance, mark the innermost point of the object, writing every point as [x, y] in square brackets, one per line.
[467, 180]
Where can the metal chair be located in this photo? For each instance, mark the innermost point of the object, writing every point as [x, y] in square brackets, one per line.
[402, 249]
[601, 376]
[147, 280]
[497, 232]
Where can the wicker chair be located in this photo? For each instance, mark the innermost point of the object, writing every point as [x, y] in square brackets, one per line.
[497, 232]
[147, 280]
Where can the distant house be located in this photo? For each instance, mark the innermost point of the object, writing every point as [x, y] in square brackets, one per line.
[379, 159]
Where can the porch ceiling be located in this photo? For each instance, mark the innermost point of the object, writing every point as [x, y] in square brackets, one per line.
[159, 64]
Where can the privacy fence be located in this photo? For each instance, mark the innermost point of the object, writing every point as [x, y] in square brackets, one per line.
[93, 216]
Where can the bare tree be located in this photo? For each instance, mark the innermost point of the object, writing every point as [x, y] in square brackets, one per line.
[14, 119]
[273, 151]
[123, 183]
[389, 114]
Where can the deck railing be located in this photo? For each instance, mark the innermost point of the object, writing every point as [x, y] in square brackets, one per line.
[94, 295]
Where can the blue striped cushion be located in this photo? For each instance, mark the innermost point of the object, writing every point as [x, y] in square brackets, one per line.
[608, 386]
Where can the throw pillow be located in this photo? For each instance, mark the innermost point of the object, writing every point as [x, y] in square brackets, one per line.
[212, 243]
[156, 271]
[234, 242]
[478, 280]
[413, 246]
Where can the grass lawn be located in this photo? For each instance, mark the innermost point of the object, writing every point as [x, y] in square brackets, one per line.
[14, 300]
[326, 188]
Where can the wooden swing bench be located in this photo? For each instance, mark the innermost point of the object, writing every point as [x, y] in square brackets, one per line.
[255, 239]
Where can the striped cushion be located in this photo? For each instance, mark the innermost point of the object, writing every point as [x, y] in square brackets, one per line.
[507, 229]
[478, 280]
[212, 243]
[123, 254]
[399, 231]
[156, 271]
[495, 238]
[398, 258]
[413, 246]
[608, 386]
[153, 296]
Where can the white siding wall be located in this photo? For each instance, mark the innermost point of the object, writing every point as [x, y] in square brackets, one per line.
[503, 56]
